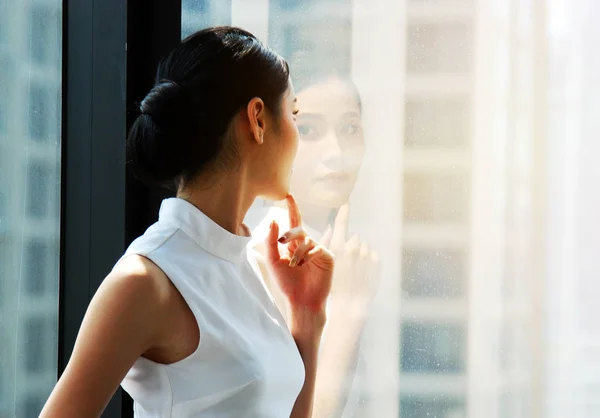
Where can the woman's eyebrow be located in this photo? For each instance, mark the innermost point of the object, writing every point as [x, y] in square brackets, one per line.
[351, 113]
[312, 115]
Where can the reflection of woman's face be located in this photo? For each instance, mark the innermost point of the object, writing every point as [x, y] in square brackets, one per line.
[331, 145]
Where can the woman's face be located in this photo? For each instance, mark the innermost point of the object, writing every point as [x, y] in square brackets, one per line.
[331, 146]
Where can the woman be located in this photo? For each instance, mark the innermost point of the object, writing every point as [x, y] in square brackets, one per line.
[326, 168]
[183, 322]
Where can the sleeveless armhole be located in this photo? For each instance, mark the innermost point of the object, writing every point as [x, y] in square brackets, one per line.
[151, 256]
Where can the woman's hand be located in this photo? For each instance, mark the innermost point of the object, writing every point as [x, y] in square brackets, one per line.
[302, 268]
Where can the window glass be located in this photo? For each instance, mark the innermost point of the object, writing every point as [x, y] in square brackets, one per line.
[43, 34]
[39, 177]
[4, 91]
[433, 348]
[39, 109]
[426, 407]
[30, 102]
[437, 123]
[39, 257]
[439, 48]
[198, 14]
[433, 196]
[462, 135]
[436, 273]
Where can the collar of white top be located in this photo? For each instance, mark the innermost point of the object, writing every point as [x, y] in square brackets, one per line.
[204, 231]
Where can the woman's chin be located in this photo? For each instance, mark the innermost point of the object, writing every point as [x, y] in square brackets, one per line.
[278, 193]
[329, 198]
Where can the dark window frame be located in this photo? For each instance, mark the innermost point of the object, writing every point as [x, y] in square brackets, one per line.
[110, 51]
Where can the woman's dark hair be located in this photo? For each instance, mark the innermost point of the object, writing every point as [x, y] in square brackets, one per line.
[199, 87]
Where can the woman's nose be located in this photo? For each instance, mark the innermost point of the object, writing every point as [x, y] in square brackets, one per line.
[343, 161]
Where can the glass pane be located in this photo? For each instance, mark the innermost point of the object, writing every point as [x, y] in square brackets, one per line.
[198, 14]
[429, 407]
[433, 273]
[439, 48]
[436, 197]
[433, 348]
[437, 123]
[30, 102]
[470, 164]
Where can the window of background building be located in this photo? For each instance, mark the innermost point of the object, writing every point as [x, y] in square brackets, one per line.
[3, 213]
[3, 397]
[198, 14]
[32, 406]
[35, 330]
[439, 48]
[440, 197]
[44, 32]
[433, 348]
[3, 122]
[434, 273]
[442, 123]
[431, 406]
[4, 92]
[40, 109]
[39, 179]
[38, 255]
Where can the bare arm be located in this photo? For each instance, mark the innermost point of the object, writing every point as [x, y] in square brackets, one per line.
[307, 327]
[123, 320]
[337, 363]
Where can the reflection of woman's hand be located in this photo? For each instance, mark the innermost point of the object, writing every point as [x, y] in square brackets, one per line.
[356, 265]
[354, 283]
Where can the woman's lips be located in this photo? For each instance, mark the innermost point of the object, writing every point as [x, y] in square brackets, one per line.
[336, 178]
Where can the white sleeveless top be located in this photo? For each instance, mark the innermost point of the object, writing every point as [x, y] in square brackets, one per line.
[247, 363]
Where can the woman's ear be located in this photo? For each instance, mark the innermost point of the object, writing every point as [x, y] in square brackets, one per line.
[257, 118]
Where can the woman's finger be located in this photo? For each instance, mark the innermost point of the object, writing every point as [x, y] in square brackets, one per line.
[318, 252]
[293, 235]
[293, 211]
[352, 246]
[363, 251]
[301, 252]
[272, 250]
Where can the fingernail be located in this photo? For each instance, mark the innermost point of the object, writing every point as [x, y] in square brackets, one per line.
[282, 239]
[272, 223]
[293, 261]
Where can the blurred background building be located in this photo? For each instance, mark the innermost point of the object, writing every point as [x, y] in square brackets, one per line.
[30, 96]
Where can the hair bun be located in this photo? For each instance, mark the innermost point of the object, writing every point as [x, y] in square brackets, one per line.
[165, 99]
[152, 145]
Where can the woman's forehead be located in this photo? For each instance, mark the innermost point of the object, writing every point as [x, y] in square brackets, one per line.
[328, 97]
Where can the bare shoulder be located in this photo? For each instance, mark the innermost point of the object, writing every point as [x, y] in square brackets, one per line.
[125, 318]
[140, 273]
[137, 289]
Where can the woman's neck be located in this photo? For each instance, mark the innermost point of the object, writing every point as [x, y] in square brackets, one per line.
[225, 198]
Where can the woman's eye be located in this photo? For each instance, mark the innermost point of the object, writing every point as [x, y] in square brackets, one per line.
[350, 129]
[307, 132]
